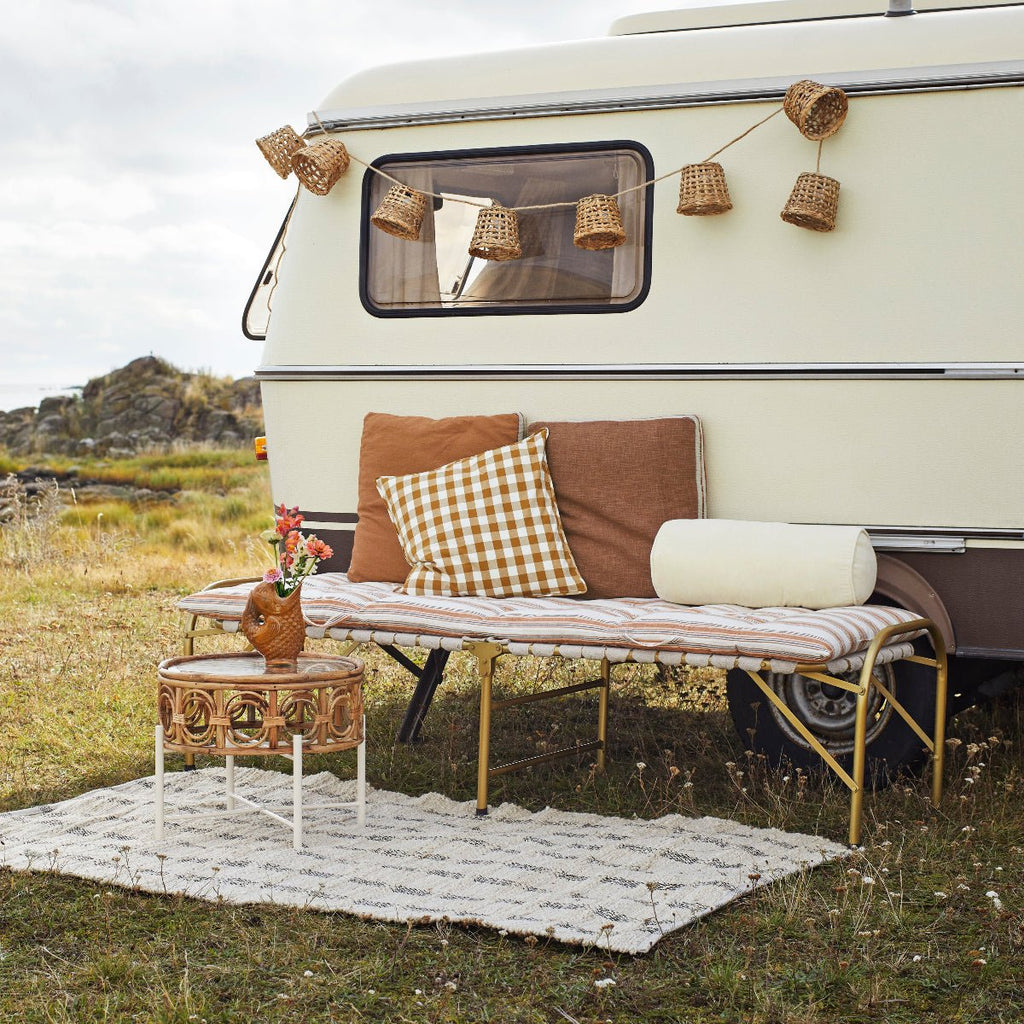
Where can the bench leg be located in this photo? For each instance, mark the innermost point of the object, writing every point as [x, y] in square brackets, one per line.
[428, 679]
[486, 655]
[860, 732]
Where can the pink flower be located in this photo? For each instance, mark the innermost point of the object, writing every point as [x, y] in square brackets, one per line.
[273, 576]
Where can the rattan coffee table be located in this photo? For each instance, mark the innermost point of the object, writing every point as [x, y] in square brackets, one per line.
[228, 705]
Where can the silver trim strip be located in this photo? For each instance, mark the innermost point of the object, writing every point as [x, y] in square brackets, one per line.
[651, 371]
[959, 533]
[917, 542]
[935, 78]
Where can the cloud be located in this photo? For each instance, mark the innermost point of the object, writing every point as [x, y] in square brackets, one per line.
[135, 211]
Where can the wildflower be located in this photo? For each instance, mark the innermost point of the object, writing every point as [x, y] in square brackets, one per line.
[273, 576]
[917, 958]
[451, 986]
[317, 548]
[604, 982]
[940, 895]
[867, 880]
[419, 991]
[994, 897]
[641, 765]
[963, 888]
[307, 974]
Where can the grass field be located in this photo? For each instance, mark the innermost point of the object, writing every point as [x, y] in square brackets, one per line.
[904, 931]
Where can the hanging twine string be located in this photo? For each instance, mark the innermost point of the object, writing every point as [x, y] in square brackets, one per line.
[817, 166]
[565, 203]
[722, 149]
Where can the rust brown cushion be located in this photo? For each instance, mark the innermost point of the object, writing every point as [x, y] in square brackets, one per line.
[616, 482]
[399, 445]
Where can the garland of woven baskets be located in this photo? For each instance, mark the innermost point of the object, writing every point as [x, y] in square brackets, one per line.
[817, 110]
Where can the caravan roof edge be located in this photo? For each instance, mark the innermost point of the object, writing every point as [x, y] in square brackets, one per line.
[891, 80]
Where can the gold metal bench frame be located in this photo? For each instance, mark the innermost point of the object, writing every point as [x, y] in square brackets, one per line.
[488, 652]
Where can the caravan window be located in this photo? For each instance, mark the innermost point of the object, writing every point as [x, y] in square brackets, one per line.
[436, 275]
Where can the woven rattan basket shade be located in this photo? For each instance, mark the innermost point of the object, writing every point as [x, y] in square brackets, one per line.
[496, 236]
[598, 223]
[817, 110]
[278, 148]
[703, 190]
[320, 165]
[401, 213]
[813, 202]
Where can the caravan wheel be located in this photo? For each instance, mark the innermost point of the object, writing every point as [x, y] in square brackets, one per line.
[829, 713]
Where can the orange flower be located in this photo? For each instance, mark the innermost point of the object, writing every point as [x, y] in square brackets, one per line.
[319, 549]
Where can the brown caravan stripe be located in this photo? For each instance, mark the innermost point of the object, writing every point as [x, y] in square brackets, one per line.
[329, 517]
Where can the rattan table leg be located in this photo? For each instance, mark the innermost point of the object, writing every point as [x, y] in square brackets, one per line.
[297, 790]
[158, 827]
[361, 779]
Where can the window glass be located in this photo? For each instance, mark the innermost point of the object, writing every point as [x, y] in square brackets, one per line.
[436, 274]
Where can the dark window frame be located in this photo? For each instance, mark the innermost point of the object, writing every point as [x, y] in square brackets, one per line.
[523, 309]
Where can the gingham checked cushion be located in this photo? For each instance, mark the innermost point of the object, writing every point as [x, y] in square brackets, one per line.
[486, 526]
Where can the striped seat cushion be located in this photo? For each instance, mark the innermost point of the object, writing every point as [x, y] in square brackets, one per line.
[331, 602]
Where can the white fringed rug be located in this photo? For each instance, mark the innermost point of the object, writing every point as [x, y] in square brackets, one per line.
[617, 883]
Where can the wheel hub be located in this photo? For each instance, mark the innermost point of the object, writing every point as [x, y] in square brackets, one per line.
[829, 711]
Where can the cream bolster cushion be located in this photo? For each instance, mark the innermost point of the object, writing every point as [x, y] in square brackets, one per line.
[762, 565]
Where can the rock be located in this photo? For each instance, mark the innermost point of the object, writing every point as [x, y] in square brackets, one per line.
[146, 405]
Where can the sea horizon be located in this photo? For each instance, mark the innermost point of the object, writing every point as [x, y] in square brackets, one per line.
[28, 394]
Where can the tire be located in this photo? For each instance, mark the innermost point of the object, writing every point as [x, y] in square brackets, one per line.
[829, 713]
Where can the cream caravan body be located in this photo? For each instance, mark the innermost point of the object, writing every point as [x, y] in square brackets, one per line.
[871, 376]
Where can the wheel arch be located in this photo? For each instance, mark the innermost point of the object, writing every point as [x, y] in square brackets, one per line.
[898, 582]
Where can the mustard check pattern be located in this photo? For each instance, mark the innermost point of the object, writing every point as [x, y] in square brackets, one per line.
[484, 526]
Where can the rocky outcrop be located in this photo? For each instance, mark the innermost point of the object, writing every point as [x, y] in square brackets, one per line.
[145, 405]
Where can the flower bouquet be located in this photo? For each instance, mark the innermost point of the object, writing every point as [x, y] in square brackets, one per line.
[273, 621]
[296, 557]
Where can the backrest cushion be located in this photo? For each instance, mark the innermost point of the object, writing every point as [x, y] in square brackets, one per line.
[616, 482]
[486, 526]
[398, 445]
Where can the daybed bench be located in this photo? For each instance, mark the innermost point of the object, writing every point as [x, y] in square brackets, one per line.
[823, 645]
[613, 512]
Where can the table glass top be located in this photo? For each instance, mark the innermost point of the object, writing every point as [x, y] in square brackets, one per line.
[212, 667]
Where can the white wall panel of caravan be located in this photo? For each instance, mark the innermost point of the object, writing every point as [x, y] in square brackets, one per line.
[871, 375]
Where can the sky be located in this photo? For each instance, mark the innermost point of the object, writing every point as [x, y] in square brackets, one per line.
[136, 209]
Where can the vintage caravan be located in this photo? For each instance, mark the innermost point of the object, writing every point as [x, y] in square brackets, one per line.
[872, 374]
